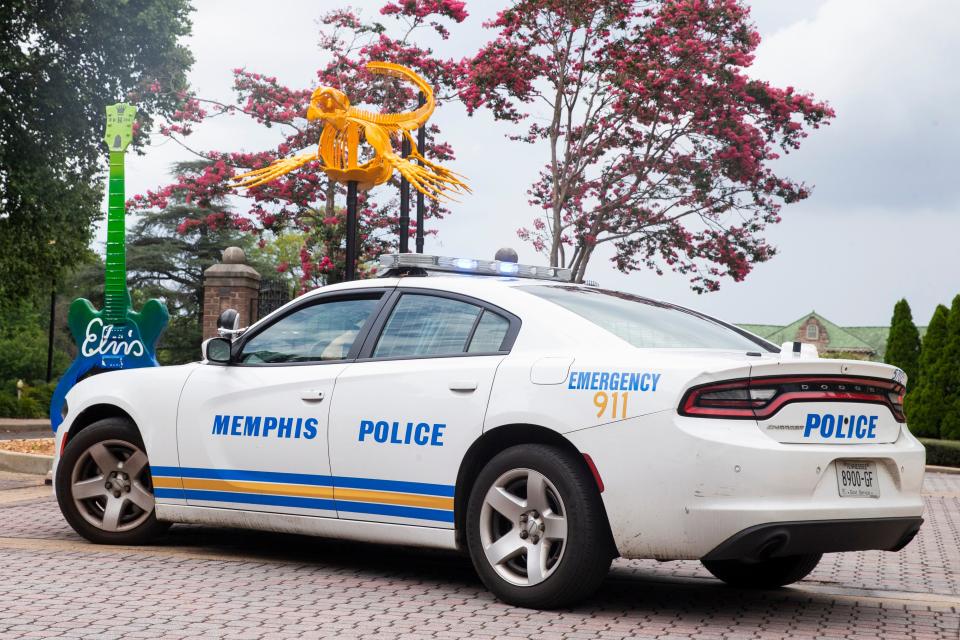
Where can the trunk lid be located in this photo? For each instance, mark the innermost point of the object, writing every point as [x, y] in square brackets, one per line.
[827, 401]
[797, 399]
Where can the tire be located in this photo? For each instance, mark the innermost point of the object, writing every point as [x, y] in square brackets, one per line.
[553, 550]
[764, 574]
[94, 458]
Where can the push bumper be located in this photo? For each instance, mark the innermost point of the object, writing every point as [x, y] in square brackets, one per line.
[780, 539]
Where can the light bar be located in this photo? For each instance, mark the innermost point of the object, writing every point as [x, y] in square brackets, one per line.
[470, 265]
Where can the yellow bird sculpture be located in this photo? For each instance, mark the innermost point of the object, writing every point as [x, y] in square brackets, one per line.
[345, 126]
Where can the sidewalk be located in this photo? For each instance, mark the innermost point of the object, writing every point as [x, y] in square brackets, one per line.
[16, 429]
[23, 424]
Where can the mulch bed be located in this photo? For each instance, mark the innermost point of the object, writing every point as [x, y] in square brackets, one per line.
[39, 446]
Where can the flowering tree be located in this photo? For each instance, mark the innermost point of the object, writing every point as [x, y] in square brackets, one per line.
[304, 201]
[659, 143]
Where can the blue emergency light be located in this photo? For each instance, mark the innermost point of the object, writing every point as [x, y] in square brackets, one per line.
[391, 263]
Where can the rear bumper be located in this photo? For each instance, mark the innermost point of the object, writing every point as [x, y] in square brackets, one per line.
[780, 539]
[681, 488]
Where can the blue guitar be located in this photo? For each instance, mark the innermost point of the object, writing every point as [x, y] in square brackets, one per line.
[116, 337]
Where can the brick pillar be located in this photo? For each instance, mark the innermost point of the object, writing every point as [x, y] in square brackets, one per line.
[231, 284]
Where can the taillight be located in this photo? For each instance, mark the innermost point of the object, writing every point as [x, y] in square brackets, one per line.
[896, 403]
[760, 398]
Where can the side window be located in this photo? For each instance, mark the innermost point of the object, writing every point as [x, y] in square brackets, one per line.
[323, 331]
[489, 334]
[425, 325]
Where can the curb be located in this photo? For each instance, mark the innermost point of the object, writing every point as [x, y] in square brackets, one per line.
[11, 425]
[932, 468]
[25, 463]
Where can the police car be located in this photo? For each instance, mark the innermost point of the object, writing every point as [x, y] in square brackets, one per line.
[543, 427]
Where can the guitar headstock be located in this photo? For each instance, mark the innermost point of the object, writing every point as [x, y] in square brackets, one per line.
[120, 119]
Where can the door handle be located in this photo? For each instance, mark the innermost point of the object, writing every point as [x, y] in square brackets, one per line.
[312, 395]
[463, 385]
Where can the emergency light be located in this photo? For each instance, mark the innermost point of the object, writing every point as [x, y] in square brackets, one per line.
[404, 261]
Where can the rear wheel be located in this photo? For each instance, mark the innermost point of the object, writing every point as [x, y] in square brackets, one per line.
[763, 574]
[535, 528]
[104, 486]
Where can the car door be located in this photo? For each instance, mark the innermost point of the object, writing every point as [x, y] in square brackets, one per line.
[253, 434]
[405, 413]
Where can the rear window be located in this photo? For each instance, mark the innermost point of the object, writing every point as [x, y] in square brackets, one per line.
[647, 323]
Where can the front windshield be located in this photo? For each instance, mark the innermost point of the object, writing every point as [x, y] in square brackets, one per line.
[647, 323]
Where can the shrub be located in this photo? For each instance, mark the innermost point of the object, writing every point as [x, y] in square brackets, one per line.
[25, 407]
[41, 394]
[943, 453]
[925, 400]
[948, 374]
[9, 406]
[903, 342]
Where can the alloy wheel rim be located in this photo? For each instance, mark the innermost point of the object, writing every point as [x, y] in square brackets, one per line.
[523, 527]
[110, 486]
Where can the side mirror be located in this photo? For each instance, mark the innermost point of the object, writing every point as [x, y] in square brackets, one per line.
[228, 323]
[217, 350]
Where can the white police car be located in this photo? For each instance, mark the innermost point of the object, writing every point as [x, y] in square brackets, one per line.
[545, 427]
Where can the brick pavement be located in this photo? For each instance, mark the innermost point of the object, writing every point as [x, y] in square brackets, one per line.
[217, 583]
[10, 480]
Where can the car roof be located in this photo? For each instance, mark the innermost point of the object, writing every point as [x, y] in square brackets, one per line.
[551, 321]
[501, 290]
[446, 281]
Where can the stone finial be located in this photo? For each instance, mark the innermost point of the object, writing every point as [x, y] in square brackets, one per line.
[234, 255]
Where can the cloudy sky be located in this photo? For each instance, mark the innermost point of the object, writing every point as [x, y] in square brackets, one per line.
[882, 222]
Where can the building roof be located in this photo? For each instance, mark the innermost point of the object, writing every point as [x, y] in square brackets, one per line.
[876, 337]
[839, 338]
[762, 330]
[871, 340]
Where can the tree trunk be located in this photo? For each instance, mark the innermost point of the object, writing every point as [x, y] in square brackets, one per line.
[331, 195]
[581, 268]
[330, 210]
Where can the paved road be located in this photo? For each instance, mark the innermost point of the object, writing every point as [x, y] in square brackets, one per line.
[25, 434]
[14, 429]
[217, 583]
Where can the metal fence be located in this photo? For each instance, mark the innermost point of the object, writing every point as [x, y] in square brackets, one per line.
[273, 295]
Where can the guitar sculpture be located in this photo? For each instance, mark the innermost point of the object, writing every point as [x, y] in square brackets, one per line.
[116, 337]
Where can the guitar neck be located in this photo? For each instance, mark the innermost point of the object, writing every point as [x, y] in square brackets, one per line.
[116, 300]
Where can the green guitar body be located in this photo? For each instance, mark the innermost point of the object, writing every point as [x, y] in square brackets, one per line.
[145, 325]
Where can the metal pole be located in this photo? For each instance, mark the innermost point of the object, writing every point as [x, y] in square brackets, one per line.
[350, 271]
[404, 202]
[53, 319]
[421, 205]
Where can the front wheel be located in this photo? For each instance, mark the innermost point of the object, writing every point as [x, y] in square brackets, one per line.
[104, 487]
[536, 528]
[764, 574]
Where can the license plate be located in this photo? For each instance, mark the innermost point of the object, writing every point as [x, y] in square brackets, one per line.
[858, 479]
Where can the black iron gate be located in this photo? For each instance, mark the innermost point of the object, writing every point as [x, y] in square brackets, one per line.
[273, 295]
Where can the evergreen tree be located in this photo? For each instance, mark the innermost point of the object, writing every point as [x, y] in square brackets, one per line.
[948, 370]
[903, 343]
[924, 402]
